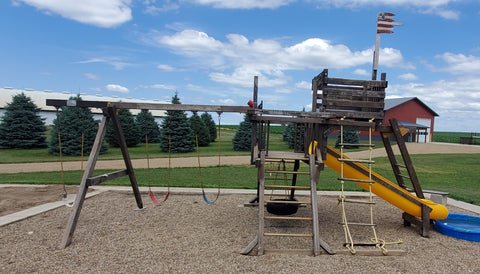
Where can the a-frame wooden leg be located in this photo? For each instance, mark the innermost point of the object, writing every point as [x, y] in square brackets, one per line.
[82, 191]
[126, 157]
[261, 202]
[317, 241]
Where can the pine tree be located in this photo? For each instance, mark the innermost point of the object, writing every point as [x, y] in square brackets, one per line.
[349, 137]
[200, 130]
[293, 138]
[242, 141]
[176, 128]
[210, 124]
[147, 125]
[71, 122]
[130, 130]
[289, 136]
[21, 126]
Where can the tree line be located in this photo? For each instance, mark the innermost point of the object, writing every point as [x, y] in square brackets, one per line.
[22, 127]
[74, 129]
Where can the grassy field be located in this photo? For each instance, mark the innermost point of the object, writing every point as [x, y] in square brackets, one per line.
[450, 137]
[460, 177]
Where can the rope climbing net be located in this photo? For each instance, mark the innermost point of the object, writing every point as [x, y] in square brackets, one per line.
[349, 243]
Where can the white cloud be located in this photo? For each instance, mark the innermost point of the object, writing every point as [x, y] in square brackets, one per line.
[117, 88]
[91, 76]
[113, 61]
[243, 4]
[362, 72]
[460, 63]
[168, 68]
[408, 77]
[457, 101]
[159, 86]
[100, 13]
[236, 60]
[153, 8]
[304, 85]
[438, 7]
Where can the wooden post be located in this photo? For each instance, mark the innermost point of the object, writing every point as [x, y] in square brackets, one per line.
[126, 157]
[406, 159]
[261, 202]
[82, 191]
[393, 160]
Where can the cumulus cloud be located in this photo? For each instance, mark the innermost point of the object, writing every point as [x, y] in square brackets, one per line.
[362, 72]
[459, 98]
[238, 58]
[408, 77]
[460, 63]
[100, 13]
[117, 88]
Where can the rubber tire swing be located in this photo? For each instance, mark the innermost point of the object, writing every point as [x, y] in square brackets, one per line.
[282, 208]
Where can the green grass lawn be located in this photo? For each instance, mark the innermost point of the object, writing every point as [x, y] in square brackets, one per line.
[458, 174]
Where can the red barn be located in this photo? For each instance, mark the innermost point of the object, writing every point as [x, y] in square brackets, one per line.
[413, 114]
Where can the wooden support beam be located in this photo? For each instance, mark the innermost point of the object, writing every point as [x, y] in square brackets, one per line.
[106, 177]
[82, 190]
[126, 156]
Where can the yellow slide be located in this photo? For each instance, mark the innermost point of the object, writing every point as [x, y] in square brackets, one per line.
[383, 188]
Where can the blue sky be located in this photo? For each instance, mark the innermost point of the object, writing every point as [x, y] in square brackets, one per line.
[209, 50]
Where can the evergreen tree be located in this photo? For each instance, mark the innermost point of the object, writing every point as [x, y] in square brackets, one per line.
[289, 135]
[210, 124]
[293, 139]
[21, 126]
[131, 132]
[242, 141]
[349, 137]
[175, 126]
[200, 130]
[147, 125]
[71, 122]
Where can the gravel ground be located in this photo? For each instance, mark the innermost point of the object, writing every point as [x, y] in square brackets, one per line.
[187, 235]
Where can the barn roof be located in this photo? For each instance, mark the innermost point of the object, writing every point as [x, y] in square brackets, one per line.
[411, 125]
[394, 102]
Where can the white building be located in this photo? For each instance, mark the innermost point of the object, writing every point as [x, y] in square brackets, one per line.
[49, 112]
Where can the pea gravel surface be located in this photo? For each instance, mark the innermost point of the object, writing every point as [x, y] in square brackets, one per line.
[186, 235]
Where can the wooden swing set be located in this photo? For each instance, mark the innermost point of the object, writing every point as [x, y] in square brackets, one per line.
[342, 104]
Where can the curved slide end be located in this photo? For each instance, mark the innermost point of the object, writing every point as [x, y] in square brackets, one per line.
[384, 188]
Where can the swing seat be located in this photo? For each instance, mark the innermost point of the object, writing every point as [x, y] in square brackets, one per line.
[282, 208]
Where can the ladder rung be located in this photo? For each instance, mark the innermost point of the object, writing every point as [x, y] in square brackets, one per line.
[287, 234]
[286, 171]
[405, 176]
[357, 201]
[287, 187]
[356, 161]
[286, 202]
[304, 252]
[362, 244]
[356, 180]
[273, 160]
[288, 218]
[278, 179]
[401, 166]
[358, 145]
[358, 224]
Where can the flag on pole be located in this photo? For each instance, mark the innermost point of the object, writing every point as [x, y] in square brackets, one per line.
[385, 22]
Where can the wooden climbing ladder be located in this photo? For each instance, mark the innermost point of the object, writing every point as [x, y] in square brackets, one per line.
[315, 166]
[406, 171]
